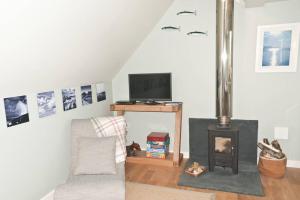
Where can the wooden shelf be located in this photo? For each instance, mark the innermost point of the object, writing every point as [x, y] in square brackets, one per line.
[146, 108]
[173, 159]
[141, 158]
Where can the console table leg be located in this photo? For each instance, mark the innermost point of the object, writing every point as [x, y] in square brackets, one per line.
[177, 138]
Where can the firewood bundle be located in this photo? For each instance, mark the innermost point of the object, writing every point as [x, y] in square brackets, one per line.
[271, 151]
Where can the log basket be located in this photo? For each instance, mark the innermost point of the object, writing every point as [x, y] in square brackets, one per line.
[272, 167]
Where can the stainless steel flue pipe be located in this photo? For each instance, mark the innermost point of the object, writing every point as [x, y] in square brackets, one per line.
[224, 62]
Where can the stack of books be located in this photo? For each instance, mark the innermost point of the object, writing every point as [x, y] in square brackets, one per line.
[158, 145]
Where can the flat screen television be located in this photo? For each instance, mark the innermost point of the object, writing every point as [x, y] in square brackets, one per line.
[150, 87]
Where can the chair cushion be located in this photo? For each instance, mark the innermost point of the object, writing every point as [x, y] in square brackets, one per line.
[113, 126]
[93, 187]
[96, 156]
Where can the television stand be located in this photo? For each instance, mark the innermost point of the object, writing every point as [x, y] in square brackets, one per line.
[173, 159]
[151, 102]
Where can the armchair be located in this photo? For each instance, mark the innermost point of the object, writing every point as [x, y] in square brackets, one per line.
[95, 186]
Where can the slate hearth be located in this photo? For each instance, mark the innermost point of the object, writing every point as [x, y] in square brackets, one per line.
[247, 181]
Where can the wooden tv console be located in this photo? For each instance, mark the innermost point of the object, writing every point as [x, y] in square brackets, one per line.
[173, 159]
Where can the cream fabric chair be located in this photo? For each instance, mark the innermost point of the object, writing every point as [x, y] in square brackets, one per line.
[90, 187]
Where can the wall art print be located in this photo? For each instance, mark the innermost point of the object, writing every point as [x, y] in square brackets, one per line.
[100, 90]
[86, 95]
[277, 48]
[16, 110]
[46, 104]
[69, 99]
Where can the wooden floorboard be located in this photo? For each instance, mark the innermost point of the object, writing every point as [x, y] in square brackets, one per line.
[287, 188]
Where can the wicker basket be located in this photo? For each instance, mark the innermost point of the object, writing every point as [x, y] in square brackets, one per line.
[272, 167]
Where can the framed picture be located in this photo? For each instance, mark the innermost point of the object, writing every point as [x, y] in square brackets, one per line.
[86, 95]
[100, 90]
[46, 103]
[277, 48]
[16, 110]
[69, 99]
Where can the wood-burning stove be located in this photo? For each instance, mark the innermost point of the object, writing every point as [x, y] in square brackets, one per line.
[223, 147]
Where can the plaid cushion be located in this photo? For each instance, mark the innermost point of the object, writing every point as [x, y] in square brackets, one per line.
[113, 126]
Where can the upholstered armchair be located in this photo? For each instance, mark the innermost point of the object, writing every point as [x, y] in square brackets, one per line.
[98, 156]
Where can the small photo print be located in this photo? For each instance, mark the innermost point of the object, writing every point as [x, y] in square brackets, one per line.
[69, 99]
[101, 95]
[16, 110]
[46, 104]
[277, 48]
[86, 95]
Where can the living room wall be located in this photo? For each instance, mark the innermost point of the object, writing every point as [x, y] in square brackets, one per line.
[271, 98]
[41, 50]
[35, 156]
[52, 45]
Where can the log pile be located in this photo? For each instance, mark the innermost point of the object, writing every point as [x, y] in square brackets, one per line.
[272, 161]
[271, 151]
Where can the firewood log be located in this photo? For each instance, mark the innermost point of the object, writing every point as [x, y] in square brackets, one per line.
[266, 141]
[268, 149]
[276, 145]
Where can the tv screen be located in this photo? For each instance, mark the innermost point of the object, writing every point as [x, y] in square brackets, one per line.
[147, 87]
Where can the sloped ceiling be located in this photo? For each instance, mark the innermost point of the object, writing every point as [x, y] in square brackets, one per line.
[256, 3]
[56, 43]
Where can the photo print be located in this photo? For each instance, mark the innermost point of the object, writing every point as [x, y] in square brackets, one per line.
[16, 110]
[277, 48]
[69, 99]
[46, 104]
[101, 95]
[86, 95]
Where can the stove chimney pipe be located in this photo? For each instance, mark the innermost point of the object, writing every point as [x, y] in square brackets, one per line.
[224, 61]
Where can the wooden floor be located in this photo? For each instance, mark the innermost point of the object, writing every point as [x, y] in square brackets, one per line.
[287, 188]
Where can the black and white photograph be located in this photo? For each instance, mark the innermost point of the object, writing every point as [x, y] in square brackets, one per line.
[69, 99]
[86, 95]
[46, 104]
[101, 95]
[16, 110]
[276, 49]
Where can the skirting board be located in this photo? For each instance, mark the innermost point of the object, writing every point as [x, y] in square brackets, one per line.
[290, 163]
[293, 163]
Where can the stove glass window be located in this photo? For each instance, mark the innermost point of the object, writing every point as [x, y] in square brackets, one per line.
[222, 145]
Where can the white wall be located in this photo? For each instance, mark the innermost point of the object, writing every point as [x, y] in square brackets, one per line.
[273, 99]
[256, 3]
[35, 156]
[50, 45]
[41, 49]
[70, 40]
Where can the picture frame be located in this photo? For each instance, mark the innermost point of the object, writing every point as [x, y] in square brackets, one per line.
[100, 91]
[46, 104]
[16, 110]
[69, 99]
[277, 48]
[86, 95]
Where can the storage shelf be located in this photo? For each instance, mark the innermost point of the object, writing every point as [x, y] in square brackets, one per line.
[174, 158]
[141, 158]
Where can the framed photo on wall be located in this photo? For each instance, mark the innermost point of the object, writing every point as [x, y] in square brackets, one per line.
[46, 104]
[69, 99]
[86, 95]
[277, 48]
[16, 110]
[100, 90]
